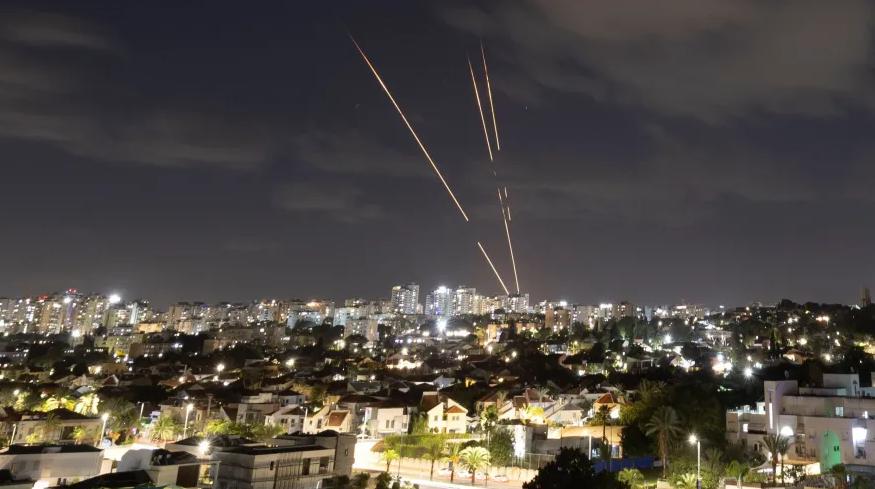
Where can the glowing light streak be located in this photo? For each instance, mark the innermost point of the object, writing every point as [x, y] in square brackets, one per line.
[489, 93]
[489, 260]
[480, 109]
[410, 128]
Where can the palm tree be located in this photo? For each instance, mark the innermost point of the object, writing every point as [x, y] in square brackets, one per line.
[165, 428]
[82, 434]
[123, 415]
[738, 470]
[666, 426]
[500, 400]
[50, 426]
[686, 481]
[713, 460]
[632, 478]
[454, 451]
[533, 413]
[389, 456]
[474, 459]
[87, 404]
[649, 391]
[777, 446]
[434, 450]
[603, 417]
[56, 402]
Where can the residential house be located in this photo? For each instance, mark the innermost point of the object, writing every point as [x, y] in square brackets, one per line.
[51, 465]
[444, 415]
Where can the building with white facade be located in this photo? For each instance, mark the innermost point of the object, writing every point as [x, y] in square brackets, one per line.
[465, 301]
[405, 299]
[440, 302]
[831, 424]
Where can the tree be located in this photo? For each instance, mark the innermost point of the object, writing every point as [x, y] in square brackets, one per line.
[632, 478]
[603, 417]
[56, 402]
[165, 428]
[360, 481]
[488, 420]
[840, 474]
[266, 432]
[571, 468]
[453, 456]
[50, 426]
[738, 470]
[124, 416]
[81, 435]
[474, 459]
[389, 456]
[87, 404]
[501, 448]
[686, 481]
[533, 414]
[434, 451]
[777, 446]
[666, 427]
[383, 481]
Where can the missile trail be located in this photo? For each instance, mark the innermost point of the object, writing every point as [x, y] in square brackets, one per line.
[489, 92]
[505, 210]
[488, 260]
[410, 128]
[512, 259]
[505, 217]
[480, 109]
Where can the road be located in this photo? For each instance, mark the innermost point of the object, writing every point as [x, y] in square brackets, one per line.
[441, 482]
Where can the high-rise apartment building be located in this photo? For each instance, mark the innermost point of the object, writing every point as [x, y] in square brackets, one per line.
[516, 303]
[405, 299]
[465, 301]
[440, 302]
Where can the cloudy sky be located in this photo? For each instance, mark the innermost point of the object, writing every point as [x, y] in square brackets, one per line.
[709, 151]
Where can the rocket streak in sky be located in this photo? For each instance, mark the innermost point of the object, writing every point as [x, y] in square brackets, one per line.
[505, 210]
[489, 93]
[489, 260]
[480, 109]
[425, 151]
[410, 128]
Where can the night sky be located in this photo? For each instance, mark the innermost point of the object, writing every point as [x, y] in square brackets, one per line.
[710, 151]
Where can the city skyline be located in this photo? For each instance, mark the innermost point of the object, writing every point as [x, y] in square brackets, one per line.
[145, 163]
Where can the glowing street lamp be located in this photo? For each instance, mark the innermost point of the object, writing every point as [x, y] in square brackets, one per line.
[188, 408]
[203, 447]
[115, 298]
[698, 443]
[748, 372]
[105, 418]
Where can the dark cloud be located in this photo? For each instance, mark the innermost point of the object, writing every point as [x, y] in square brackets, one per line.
[351, 152]
[339, 201]
[65, 95]
[702, 149]
[708, 59]
[55, 31]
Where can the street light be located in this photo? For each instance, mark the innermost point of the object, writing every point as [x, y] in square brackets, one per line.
[203, 447]
[698, 443]
[188, 408]
[105, 418]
